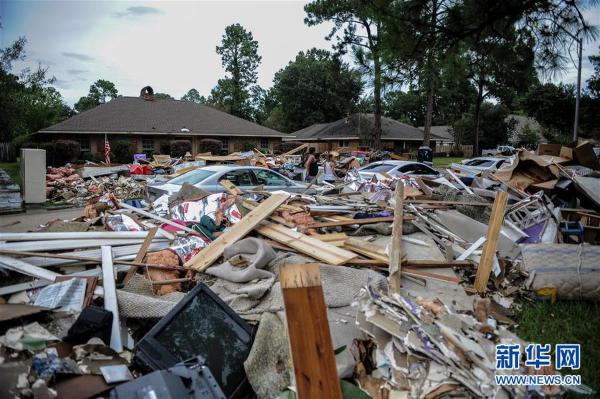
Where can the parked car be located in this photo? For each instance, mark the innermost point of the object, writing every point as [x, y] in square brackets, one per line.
[469, 168]
[396, 168]
[207, 178]
[500, 150]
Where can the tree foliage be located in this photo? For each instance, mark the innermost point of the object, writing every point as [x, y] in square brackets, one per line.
[594, 81]
[495, 126]
[316, 87]
[100, 92]
[194, 96]
[28, 101]
[163, 96]
[239, 57]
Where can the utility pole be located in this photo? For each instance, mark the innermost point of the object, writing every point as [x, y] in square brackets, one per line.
[580, 56]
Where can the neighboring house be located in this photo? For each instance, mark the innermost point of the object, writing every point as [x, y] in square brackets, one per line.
[148, 121]
[346, 132]
[443, 132]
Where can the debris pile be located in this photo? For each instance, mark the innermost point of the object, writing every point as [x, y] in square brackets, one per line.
[411, 283]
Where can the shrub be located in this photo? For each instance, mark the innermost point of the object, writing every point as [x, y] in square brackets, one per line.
[92, 156]
[66, 151]
[248, 146]
[122, 151]
[165, 147]
[22, 141]
[180, 147]
[457, 154]
[287, 146]
[211, 145]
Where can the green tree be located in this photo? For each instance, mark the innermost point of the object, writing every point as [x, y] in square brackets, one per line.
[594, 80]
[100, 92]
[550, 105]
[316, 87]
[495, 126]
[193, 96]
[28, 101]
[360, 31]
[239, 57]
[163, 96]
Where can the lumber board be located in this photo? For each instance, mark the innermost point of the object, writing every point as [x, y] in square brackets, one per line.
[491, 241]
[436, 264]
[215, 249]
[395, 257]
[295, 150]
[312, 247]
[141, 253]
[460, 183]
[426, 274]
[368, 249]
[310, 339]
[230, 187]
[354, 221]
[330, 237]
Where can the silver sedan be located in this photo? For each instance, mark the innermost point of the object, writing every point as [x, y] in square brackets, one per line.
[207, 178]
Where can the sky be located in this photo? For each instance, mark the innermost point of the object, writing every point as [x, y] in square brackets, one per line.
[168, 45]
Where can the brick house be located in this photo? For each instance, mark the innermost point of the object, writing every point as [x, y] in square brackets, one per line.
[395, 136]
[147, 122]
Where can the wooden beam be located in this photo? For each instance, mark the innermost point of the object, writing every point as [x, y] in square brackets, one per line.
[436, 264]
[396, 242]
[312, 247]
[295, 150]
[460, 182]
[354, 221]
[110, 297]
[310, 339]
[424, 187]
[229, 186]
[141, 253]
[491, 241]
[435, 276]
[368, 249]
[214, 250]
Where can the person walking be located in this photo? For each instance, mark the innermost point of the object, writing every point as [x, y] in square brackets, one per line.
[329, 167]
[311, 165]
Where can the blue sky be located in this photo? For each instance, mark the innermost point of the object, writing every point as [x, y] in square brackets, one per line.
[168, 45]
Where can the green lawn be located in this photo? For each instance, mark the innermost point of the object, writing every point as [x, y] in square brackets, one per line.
[569, 323]
[12, 168]
[445, 161]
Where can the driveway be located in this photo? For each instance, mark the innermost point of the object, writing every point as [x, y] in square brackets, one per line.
[33, 217]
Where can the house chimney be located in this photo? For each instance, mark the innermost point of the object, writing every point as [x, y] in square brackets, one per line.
[147, 93]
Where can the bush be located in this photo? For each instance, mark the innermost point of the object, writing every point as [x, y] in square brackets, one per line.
[165, 147]
[248, 146]
[211, 145]
[180, 147]
[287, 146]
[66, 151]
[122, 151]
[92, 156]
[22, 141]
[456, 154]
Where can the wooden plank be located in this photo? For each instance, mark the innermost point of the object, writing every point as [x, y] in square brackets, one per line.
[489, 247]
[214, 250]
[330, 237]
[110, 297]
[230, 187]
[306, 244]
[418, 263]
[435, 276]
[141, 253]
[368, 249]
[310, 340]
[355, 221]
[295, 150]
[424, 187]
[395, 257]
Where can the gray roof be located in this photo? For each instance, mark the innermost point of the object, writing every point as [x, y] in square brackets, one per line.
[350, 128]
[134, 115]
[442, 131]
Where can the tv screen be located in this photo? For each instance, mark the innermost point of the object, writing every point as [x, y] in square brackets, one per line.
[201, 324]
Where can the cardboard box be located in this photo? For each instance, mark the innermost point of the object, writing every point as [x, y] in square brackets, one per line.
[549, 149]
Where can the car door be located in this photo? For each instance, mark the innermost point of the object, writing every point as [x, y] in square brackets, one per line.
[242, 178]
[272, 181]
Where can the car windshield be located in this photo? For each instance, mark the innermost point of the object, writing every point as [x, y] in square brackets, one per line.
[479, 162]
[192, 177]
[384, 167]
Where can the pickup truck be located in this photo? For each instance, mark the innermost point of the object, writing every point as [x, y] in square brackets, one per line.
[500, 150]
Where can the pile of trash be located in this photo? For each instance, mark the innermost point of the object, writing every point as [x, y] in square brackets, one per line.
[412, 286]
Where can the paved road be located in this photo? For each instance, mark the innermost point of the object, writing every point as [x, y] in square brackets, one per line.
[32, 218]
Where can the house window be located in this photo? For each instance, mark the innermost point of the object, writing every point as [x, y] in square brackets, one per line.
[264, 143]
[225, 146]
[84, 143]
[343, 143]
[147, 144]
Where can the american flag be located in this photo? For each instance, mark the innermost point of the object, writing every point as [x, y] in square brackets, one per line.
[107, 150]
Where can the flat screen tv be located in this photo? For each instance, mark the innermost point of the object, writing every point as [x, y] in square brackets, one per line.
[201, 324]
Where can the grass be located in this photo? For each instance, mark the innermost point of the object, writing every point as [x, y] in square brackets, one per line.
[566, 322]
[12, 168]
[445, 161]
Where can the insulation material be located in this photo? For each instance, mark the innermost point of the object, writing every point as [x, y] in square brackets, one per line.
[244, 261]
[571, 269]
[165, 258]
